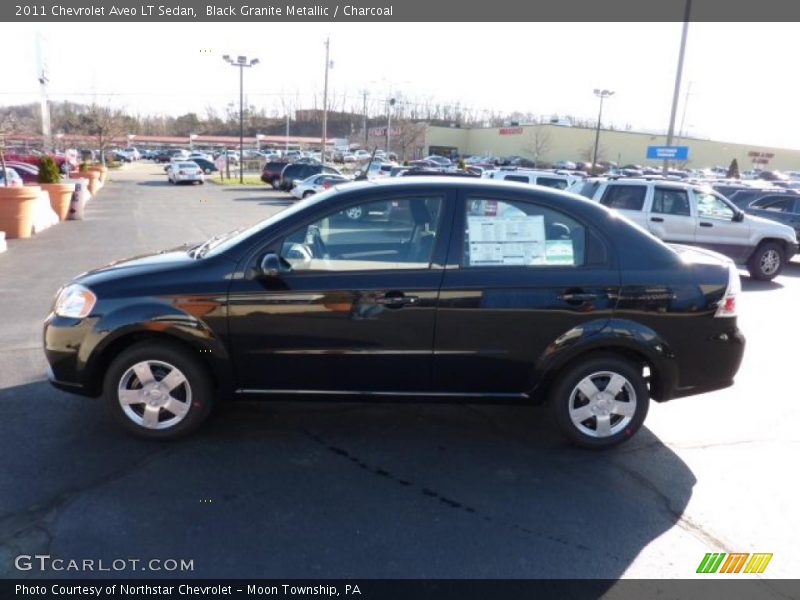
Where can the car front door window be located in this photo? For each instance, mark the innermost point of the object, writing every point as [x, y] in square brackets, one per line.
[713, 207]
[399, 233]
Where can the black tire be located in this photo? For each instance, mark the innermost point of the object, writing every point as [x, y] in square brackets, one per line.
[307, 194]
[762, 263]
[276, 184]
[198, 395]
[561, 397]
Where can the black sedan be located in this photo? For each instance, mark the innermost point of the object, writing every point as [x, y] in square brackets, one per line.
[467, 290]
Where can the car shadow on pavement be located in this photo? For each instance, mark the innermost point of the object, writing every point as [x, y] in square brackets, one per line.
[149, 183]
[755, 285]
[791, 269]
[283, 490]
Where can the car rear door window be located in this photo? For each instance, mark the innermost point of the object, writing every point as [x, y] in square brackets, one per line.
[671, 201]
[624, 197]
[399, 233]
[505, 233]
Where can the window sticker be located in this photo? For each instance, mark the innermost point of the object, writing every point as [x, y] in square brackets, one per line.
[512, 240]
[559, 252]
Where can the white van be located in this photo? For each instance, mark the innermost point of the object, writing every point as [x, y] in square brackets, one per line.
[550, 179]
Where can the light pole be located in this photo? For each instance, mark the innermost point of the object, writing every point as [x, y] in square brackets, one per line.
[602, 94]
[328, 65]
[389, 104]
[687, 11]
[241, 62]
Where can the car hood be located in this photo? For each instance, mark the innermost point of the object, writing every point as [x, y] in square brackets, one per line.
[138, 265]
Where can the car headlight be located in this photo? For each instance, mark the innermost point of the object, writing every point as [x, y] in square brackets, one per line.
[75, 301]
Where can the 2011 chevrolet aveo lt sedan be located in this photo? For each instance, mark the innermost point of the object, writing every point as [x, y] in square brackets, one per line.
[446, 288]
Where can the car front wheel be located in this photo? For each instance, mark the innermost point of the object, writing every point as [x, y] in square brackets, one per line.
[766, 262]
[601, 402]
[158, 390]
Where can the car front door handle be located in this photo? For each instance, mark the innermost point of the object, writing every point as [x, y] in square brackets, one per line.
[396, 300]
[704, 224]
[656, 219]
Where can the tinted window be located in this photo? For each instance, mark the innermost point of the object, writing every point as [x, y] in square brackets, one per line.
[519, 178]
[776, 203]
[671, 202]
[375, 235]
[744, 198]
[559, 184]
[504, 233]
[624, 197]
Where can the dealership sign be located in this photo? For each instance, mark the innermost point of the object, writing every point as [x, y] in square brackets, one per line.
[511, 131]
[760, 158]
[668, 152]
[381, 131]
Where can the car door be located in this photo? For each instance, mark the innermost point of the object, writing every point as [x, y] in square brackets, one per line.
[670, 216]
[521, 274]
[778, 208]
[354, 304]
[717, 228]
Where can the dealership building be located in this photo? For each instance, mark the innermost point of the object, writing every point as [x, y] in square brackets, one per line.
[550, 143]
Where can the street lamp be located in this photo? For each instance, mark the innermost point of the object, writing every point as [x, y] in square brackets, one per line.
[390, 103]
[241, 62]
[602, 94]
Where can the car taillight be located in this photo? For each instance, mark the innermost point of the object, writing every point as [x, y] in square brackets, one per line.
[727, 306]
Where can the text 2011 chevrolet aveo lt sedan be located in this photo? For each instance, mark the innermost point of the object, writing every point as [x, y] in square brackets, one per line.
[446, 288]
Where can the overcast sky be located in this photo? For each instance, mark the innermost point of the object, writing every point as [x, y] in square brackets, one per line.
[742, 74]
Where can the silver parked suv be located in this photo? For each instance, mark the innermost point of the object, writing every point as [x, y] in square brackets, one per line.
[691, 214]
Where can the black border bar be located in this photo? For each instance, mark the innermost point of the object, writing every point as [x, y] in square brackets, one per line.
[496, 11]
[408, 589]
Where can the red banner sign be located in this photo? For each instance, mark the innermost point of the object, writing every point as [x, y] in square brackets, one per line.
[511, 131]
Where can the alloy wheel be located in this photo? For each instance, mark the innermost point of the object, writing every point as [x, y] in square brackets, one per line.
[602, 404]
[154, 394]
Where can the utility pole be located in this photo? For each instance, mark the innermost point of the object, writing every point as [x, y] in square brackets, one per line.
[389, 104]
[366, 132]
[683, 115]
[325, 99]
[47, 143]
[241, 62]
[678, 74]
[602, 94]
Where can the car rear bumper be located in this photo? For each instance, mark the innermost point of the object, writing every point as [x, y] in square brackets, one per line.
[721, 358]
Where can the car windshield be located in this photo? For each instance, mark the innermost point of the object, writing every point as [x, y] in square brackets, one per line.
[187, 165]
[219, 244]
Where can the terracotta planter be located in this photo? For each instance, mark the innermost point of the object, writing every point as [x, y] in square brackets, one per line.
[60, 197]
[17, 206]
[103, 173]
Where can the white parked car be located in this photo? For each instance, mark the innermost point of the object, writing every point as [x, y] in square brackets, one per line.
[316, 183]
[683, 213]
[13, 178]
[184, 171]
[559, 181]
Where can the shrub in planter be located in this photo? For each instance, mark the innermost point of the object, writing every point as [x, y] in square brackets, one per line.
[50, 181]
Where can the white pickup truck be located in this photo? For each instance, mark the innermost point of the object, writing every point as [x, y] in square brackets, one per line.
[690, 214]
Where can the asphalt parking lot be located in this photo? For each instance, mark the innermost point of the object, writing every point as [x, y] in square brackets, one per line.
[282, 489]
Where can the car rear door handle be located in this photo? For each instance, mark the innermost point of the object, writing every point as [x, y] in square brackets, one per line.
[396, 300]
[656, 219]
[577, 297]
[704, 224]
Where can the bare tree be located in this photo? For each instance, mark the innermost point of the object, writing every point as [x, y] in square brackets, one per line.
[105, 124]
[538, 143]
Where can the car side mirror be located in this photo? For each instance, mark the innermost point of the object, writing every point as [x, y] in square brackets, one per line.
[271, 266]
[738, 217]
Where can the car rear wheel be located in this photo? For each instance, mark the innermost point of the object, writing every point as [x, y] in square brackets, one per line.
[158, 390]
[307, 194]
[601, 402]
[276, 184]
[766, 262]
